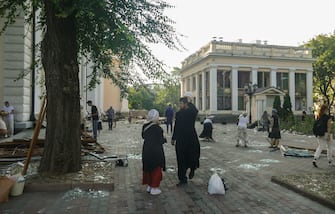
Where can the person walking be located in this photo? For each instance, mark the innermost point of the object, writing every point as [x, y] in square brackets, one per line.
[110, 117]
[186, 140]
[242, 130]
[94, 117]
[169, 118]
[274, 134]
[9, 118]
[153, 158]
[324, 135]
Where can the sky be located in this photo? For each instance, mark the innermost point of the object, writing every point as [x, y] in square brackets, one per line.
[284, 22]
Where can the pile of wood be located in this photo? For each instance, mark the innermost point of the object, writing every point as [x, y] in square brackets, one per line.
[19, 148]
[90, 144]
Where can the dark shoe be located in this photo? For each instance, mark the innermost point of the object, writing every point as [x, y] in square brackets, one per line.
[314, 164]
[181, 183]
[237, 145]
[191, 175]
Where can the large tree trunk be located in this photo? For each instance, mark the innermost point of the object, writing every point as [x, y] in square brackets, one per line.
[59, 58]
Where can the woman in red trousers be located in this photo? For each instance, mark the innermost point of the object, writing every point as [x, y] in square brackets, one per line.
[153, 158]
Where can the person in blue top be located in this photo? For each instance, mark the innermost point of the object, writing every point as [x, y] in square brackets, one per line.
[169, 118]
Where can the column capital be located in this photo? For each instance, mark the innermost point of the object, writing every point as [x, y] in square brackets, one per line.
[274, 68]
[254, 68]
[292, 69]
[234, 67]
[213, 67]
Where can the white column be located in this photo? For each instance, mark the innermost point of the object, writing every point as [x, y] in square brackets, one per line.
[191, 84]
[203, 91]
[234, 88]
[213, 106]
[292, 87]
[197, 103]
[254, 75]
[309, 88]
[273, 76]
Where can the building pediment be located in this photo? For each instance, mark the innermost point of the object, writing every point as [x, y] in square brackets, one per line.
[269, 91]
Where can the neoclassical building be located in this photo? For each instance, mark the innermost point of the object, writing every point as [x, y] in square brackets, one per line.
[220, 74]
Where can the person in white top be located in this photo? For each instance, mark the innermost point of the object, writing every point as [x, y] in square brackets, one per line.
[242, 130]
[9, 118]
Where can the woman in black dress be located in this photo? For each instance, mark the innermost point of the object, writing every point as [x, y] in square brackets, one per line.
[274, 129]
[153, 158]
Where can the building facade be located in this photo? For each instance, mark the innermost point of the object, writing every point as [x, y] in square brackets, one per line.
[220, 74]
[16, 57]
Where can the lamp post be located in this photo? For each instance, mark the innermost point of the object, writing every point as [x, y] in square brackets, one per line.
[250, 89]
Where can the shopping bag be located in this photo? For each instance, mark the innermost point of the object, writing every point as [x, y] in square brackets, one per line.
[215, 185]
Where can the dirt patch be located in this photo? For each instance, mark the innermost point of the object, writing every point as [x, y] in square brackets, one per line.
[319, 184]
[92, 172]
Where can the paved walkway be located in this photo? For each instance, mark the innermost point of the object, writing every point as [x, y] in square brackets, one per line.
[246, 170]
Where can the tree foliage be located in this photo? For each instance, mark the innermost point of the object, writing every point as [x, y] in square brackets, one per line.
[287, 108]
[141, 97]
[111, 34]
[170, 92]
[156, 96]
[277, 104]
[323, 50]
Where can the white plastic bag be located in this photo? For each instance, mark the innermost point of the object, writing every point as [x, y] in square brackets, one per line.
[215, 185]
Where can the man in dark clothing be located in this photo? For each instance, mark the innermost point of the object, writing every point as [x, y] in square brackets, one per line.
[186, 139]
[169, 118]
[110, 115]
[94, 118]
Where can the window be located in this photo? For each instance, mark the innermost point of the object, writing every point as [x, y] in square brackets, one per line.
[263, 79]
[200, 91]
[188, 83]
[282, 81]
[300, 91]
[241, 102]
[243, 78]
[223, 90]
[194, 80]
[226, 78]
[207, 89]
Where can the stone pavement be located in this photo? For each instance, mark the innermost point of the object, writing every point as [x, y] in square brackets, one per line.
[247, 171]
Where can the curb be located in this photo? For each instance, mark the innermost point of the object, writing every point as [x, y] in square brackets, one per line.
[59, 187]
[325, 202]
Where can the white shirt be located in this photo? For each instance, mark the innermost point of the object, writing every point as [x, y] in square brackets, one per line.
[9, 110]
[242, 121]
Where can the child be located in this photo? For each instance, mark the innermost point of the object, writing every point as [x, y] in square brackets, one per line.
[153, 158]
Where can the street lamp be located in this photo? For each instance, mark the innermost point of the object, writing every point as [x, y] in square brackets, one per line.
[250, 89]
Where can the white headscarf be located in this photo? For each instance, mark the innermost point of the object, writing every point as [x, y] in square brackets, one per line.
[153, 115]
